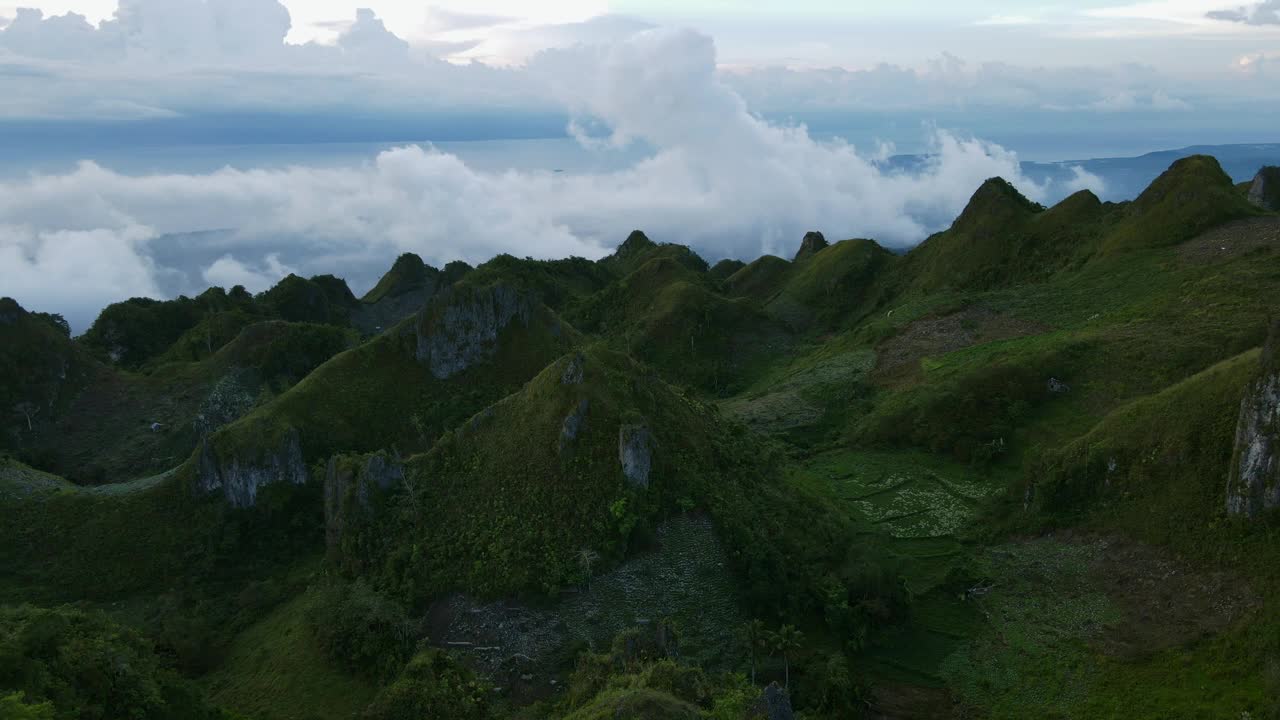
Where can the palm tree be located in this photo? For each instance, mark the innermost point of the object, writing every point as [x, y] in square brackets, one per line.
[786, 641]
[757, 638]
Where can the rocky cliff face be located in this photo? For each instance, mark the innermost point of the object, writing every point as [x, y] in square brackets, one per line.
[1254, 482]
[373, 318]
[240, 479]
[461, 326]
[635, 453]
[349, 487]
[1265, 191]
[811, 245]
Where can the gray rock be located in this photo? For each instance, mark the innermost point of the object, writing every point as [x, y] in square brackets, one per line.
[635, 452]
[461, 327]
[230, 399]
[573, 423]
[1253, 485]
[1265, 190]
[773, 704]
[1058, 387]
[574, 371]
[811, 245]
[348, 489]
[240, 479]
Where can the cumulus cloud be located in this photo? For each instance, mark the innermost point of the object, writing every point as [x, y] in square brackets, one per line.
[1263, 13]
[444, 20]
[227, 272]
[193, 57]
[721, 179]
[75, 272]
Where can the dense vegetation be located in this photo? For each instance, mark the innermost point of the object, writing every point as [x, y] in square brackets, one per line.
[984, 478]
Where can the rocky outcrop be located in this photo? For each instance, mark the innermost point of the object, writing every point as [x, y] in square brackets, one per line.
[376, 317]
[635, 452]
[403, 291]
[350, 485]
[773, 704]
[230, 399]
[573, 423]
[1265, 190]
[574, 371]
[1254, 483]
[811, 245]
[241, 479]
[461, 326]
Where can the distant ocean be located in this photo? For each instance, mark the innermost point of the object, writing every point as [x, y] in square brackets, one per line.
[1126, 150]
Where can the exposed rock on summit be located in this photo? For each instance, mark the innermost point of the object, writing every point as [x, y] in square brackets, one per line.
[811, 245]
[1265, 191]
[1254, 483]
[461, 326]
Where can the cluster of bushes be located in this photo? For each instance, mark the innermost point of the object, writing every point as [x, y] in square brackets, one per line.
[138, 331]
[69, 664]
[432, 685]
[362, 630]
[132, 332]
[642, 675]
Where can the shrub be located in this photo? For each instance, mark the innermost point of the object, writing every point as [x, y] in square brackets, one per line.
[74, 664]
[432, 685]
[362, 630]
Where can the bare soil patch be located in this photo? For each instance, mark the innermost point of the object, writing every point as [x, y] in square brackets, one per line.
[1233, 240]
[1165, 601]
[898, 358]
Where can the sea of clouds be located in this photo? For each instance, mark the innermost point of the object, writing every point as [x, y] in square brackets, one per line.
[720, 179]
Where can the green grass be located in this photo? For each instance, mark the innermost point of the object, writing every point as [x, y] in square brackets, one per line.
[379, 395]
[276, 671]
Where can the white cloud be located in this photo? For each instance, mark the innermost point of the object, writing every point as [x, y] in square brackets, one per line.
[227, 272]
[950, 82]
[75, 272]
[1008, 20]
[1129, 101]
[1263, 13]
[721, 180]
[445, 20]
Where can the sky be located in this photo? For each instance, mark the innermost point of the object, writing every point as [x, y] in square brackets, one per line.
[758, 121]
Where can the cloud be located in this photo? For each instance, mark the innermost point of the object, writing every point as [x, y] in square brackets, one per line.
[227, 272]
[442, 20]
[1129, 102]
[949, 82]
[369, 40]
[1263, 13]
[1008, 20]
[521, 44]
[721, 179]
[75, 272]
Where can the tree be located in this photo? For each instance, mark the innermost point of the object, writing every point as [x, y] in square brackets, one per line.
[757, 638]
[785, 642]
[587, 559]
[28, 410]
[13, 708]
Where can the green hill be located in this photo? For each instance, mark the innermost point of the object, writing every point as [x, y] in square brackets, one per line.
[1023, 470]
